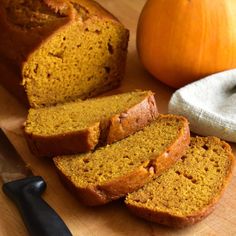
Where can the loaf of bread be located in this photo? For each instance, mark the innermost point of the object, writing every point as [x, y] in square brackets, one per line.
[188, 192]
[56, 51]
[81, 126]
[112, 171]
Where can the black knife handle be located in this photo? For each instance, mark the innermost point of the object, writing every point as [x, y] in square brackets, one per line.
[39, 218]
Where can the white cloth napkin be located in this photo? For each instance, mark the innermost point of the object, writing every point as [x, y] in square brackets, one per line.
[209, 104]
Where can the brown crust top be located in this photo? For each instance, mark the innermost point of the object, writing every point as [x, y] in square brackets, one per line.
[91, 7]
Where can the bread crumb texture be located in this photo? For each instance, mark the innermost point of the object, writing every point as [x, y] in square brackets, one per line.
[75, 116]
[192, 185]
[123, 157]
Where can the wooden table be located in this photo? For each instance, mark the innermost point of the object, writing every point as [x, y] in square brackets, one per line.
[112, 219]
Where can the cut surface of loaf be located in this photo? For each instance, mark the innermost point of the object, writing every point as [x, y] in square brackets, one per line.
[80, 126]
[187, 192]
[117, 169]
[60, 50]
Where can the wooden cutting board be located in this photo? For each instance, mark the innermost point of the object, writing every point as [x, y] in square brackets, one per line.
[112, 219]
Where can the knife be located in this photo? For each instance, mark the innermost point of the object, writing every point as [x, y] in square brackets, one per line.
[25, 191]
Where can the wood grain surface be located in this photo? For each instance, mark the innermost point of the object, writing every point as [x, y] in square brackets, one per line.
[112, 219]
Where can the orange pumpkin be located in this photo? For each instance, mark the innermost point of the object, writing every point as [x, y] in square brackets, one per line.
[180, 41]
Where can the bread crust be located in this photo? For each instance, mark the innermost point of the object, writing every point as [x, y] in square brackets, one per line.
[131, 120]
[103, 132]
[167, 219]
[99, 194]
[17, 43]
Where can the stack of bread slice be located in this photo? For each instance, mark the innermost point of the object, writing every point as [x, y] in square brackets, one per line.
[115, 170]
[119, 146]
[80, 126]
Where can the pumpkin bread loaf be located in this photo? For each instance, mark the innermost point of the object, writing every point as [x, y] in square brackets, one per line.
[187, 192]
[112, 171]
[55, 51]
[80, 126]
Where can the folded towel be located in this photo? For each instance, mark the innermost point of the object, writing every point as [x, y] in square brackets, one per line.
[209, 104]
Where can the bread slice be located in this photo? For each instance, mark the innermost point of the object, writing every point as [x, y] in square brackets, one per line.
[188, 192]
[81, 126]
[115, 170]
[56, 51]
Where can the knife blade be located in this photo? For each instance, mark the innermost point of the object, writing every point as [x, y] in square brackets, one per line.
[25, 190]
